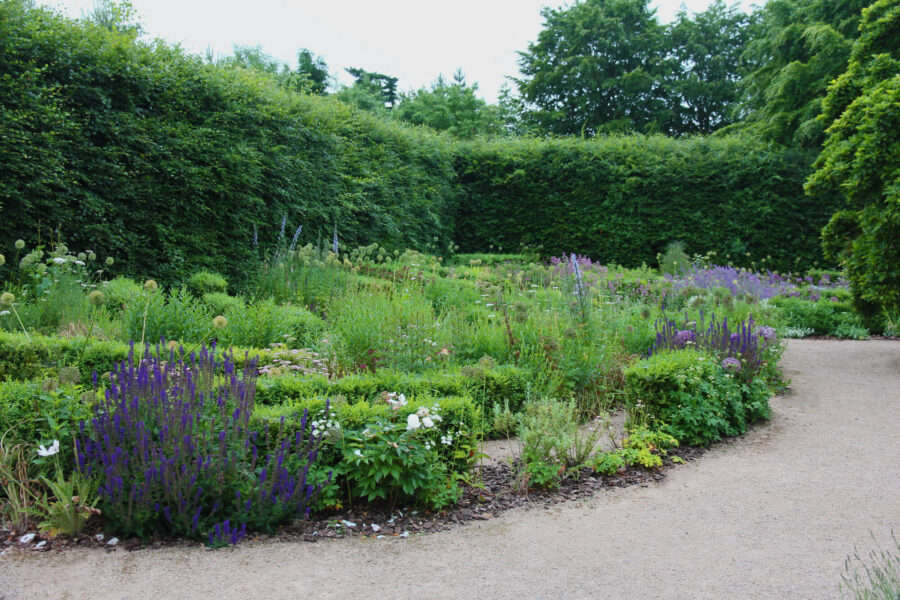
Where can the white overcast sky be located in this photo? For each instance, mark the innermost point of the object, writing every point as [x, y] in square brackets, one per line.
[413, 40]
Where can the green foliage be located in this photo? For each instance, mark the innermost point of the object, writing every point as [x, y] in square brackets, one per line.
[451, 107]
[546, 430]
[860, 162]
[261, 324]
[689, 395]
[603, 66]
[641, 447]
[206, 282]
[802, 45]
[708, 52]
[121, 292]
[823, 317]
[622, 199]
[489, 387]
[111, 136]
[173, 316]
[610, 47]
[674, 259]
[220, 303]
[387, 461]
[74, 501]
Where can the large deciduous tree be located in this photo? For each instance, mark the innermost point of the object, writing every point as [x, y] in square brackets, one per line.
[707, 49]
[596, 66]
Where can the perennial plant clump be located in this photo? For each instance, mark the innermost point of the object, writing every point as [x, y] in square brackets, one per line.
[173, 453]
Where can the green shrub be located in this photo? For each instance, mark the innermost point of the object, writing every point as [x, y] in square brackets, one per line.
[452, 441]
[206, 282]
[689, 395]
[220, 303]
[822, 317]
[174, 316]
[674, 259]
[121, 292]
[261, 324]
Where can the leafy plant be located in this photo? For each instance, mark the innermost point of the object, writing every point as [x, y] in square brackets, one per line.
[206, 282]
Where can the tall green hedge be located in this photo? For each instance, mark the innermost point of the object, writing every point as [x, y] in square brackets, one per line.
[622, 199]
[142, 152]
[139, 151]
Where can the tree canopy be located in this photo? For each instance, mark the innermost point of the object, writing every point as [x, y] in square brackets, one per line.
[452, 107]
[861, 162]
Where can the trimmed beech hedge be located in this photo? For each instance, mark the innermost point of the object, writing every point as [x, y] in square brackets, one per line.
[142, 152]
[622, 199]
[139, 151]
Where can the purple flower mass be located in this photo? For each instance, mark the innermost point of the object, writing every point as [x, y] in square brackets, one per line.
[731, 364]
[743, 341]
[171, 445]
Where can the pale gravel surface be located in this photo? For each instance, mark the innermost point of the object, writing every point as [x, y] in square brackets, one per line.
[772, 515]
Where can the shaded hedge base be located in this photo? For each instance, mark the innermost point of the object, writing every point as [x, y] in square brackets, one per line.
[494, 495]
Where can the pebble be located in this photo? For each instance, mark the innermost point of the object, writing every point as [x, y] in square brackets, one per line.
[40, 544]
[112, 541]
[25, 539]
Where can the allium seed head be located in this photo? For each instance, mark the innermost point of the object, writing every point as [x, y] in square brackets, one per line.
[109, 261]
[20, 244]
[96, 297]
[6, 299]
[220, 322]
[151, 286]
[2, 260]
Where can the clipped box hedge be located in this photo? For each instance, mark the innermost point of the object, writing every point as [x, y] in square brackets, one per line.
[498, 385]
[22, 359]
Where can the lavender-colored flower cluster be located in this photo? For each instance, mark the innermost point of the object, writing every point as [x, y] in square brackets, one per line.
[171, 448]
[737, 281]
[759, 285]
[743, 343]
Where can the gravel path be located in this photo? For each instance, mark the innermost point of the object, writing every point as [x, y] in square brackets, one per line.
[772, 515]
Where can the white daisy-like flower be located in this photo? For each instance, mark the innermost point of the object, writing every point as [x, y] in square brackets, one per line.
[427, 422]
[53, 449]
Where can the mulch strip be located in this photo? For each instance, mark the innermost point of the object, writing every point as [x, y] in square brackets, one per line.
[493, 493]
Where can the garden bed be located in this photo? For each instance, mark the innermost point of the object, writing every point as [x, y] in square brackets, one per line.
[494, 494]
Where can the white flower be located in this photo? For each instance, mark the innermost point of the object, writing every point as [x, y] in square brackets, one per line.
[396, 400]
[3, 313]
[358, 452]
[412, 422]
[59, 260]
[80, 263]
[53, 449]
[423, 411]
[427, 422]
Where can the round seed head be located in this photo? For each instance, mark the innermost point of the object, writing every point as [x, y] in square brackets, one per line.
[20, 244]
[96, 297]
[220, 322]
[6, 299]
[151, 286]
